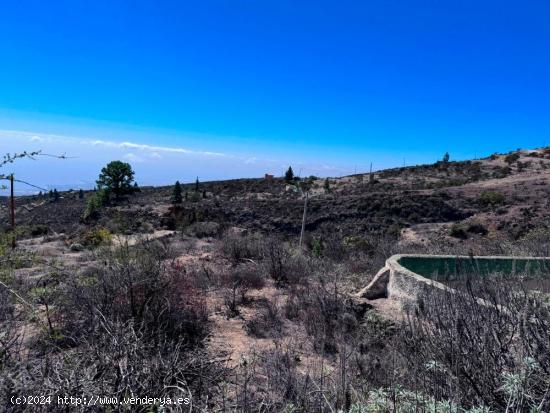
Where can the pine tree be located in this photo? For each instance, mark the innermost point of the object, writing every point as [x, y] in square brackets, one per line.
[197, 185]
[289, 175]
[55, 195]
[80, 194]
[176, 194]
[117, 177]
[327, 185]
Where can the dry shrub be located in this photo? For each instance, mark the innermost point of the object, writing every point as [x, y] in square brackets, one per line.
[239, 247]
[204, 276]
[267, 323]
[135, 325]
[284, 266]
[116, 360]
[139, 285]
[326, 312]
[203, 229]
[237, 282]
[9, 338]
[460, 350]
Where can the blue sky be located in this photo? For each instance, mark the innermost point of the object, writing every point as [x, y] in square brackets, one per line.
[326, 86]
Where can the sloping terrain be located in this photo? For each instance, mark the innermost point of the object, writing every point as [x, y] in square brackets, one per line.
[215, 292]
[505, 193]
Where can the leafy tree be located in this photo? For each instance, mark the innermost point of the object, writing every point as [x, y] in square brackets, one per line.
[116, 177]
[55, 195]
[327, 185]
[446, 158]
[289, 175]
[176, 194]
[80, 194]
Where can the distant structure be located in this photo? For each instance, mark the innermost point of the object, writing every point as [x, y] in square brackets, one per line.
[268, 177]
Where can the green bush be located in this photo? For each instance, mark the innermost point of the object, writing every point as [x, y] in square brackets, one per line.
[195, 196]
[477, 228]
[459, 230]
[39, 229]
[491, 198]
[98, 236]
[511, 158]
[95, 203]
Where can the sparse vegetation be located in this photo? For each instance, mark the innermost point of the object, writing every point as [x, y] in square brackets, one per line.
[216, 295]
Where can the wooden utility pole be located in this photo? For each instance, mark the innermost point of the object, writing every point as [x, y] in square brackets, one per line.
[304, 219]
[12, 207]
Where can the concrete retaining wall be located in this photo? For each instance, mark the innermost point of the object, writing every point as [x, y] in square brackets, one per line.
[397, 281]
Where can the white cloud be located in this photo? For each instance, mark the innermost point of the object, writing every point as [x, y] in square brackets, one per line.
[157, 164]
[156, 155]
[132, 157]
[33, 137]
[145, 147]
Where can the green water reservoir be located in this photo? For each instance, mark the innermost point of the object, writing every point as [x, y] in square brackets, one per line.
[451, 268]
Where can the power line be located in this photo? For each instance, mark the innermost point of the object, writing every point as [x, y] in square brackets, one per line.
[8, 178]
[58, 156]
[29, 184]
